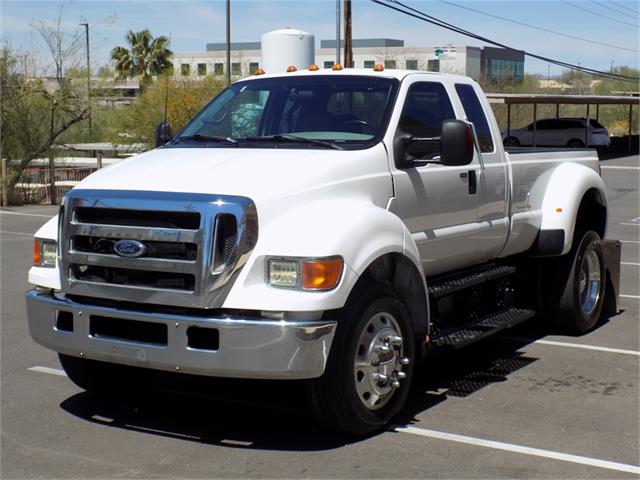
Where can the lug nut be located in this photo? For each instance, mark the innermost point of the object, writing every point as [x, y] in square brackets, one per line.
[395, 384]
[380, 378]
[395, 340]
[381, 349]
[404, 361]
[401, 375]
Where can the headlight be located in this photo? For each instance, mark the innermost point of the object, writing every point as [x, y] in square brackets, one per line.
[305, 274]
[44, 253]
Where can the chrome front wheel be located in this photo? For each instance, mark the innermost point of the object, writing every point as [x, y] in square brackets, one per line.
[379, 361]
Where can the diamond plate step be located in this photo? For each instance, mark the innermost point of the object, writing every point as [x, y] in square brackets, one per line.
[482, 328]
[447, 285]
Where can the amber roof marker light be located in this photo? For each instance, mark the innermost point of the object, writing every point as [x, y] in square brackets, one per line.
[378, 67]
[313, 67]
[337, 66]
[291, 69]
[259, 72]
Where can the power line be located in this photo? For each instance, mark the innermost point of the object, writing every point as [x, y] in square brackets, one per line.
[598, 14]
[617, 47]
[622, 6]
[613, 9]
[441, 23]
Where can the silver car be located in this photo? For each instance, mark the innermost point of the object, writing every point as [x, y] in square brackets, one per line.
[559, 132]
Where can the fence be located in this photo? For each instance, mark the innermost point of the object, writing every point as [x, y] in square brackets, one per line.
[35, 184]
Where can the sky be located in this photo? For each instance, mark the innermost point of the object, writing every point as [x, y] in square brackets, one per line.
[192, 24]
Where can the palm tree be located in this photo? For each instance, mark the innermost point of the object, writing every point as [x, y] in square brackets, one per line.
[146, 57]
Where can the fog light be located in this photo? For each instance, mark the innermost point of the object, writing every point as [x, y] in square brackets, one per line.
[283, 273]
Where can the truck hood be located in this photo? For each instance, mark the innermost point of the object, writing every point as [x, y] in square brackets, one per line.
[260, 174]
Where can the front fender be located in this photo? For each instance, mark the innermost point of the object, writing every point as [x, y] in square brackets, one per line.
[358, 231]
[566, 187]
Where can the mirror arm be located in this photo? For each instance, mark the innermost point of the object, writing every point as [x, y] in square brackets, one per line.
[476, 144]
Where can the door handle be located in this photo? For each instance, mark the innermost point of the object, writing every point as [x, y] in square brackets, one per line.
[473, 181]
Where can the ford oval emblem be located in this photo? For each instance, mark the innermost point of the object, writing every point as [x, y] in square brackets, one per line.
[130, 248]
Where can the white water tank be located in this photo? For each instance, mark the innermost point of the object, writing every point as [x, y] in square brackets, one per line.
[285, 47]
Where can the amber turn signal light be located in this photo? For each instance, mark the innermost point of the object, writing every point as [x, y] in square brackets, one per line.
[321, 274]
[36, 252]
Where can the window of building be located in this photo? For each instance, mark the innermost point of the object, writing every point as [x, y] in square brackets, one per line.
[202, 69]
[433, 65]
[412, 65]
[328, 64]
[475, 113]
[253, 66]
[185, 69]
[218, 68]
[236, 68]
[499, 69]
[390, 64]
[369, 63]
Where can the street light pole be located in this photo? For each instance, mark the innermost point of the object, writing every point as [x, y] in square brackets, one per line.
[228, 42]
[338, 31]
[86, 30]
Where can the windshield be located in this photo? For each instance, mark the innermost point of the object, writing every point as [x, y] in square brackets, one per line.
[347, 111]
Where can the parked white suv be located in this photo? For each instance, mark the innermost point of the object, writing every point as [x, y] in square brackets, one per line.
[558, 132]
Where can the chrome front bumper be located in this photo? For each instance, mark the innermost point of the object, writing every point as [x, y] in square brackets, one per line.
[247, 348]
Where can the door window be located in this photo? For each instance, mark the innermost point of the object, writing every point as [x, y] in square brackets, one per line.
[427, 105]
[476, 115]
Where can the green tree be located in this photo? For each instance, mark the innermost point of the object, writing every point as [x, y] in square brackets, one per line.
[146, 56]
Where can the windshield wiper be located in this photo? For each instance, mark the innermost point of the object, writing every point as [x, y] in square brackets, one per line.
[199, 137]
[293, 139]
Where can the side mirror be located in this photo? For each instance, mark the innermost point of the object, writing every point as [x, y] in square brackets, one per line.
[456, 143]
[163, 134]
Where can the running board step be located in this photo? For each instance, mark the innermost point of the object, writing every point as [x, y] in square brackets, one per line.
[482, 328]
[441, 287]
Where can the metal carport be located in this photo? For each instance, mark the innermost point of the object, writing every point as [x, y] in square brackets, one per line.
[557, 100]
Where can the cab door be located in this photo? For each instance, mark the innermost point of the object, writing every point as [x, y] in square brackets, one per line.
[438, 203]
[492, 192]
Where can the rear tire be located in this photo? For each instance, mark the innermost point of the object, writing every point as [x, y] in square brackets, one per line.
[101, 378]
[369, 371]
[580, 281]
[575, 143]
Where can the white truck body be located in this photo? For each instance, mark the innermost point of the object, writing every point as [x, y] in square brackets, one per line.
[357, 204]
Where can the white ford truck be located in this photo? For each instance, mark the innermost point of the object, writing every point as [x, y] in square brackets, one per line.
[326, 226]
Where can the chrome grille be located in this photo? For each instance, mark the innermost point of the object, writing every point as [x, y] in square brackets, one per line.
[195, 245]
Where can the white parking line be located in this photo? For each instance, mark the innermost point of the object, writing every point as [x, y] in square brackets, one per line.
[8, 212]
[509, 447]
[17, 233]
[571, 345]
[631, 224]
[50, 371]
[622, 295]
[629, 241]
[630, 263]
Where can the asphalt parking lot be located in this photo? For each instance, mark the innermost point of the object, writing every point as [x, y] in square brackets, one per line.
[527, 405]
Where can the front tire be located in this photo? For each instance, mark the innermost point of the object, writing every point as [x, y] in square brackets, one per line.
[368, 375]
[581, 287]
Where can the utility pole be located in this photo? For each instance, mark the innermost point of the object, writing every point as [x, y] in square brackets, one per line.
[348, 50]
[338, 31]
[228, 42]
[86, 30]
